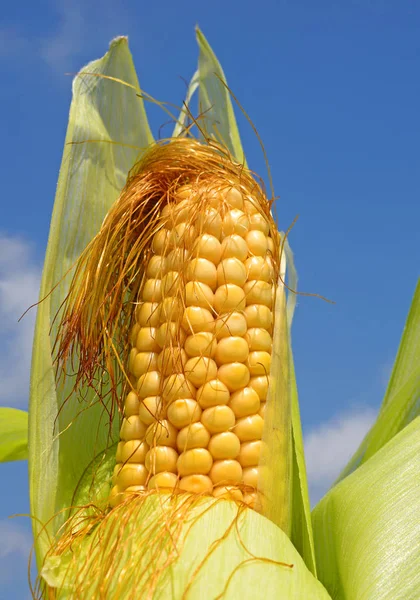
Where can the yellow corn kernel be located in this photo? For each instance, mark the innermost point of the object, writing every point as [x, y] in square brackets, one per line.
[131, 404]
[258, 221]
[147, 314]
[200, 369]
[132, 428]
[231, 348]
[234, 246]
[225, 471]
[149, 384]
[196, 484]
[195, 461]
[161, 458]
[176, 260]
[228, 492]
[251, 207]
[258, 315]
[133, 334]
[259, 292]
[250, 453]
[260, 385]
[170, 309]
[250, 476]
[231, 270]
[195, 435]
[201, 344]
[233, 323]
[170, 284]
[224, 445]
[133, 451]
[163, 480]
[259, 339]
[212, 393]
[171, 360]
[162, 433]
[176, 387]
[208, 246]
[228, 298]
[257, 242]
[235, 221]
[261, 412]
[160, 242]
[146, 340]
[129, 474]
[116, 496]
[151, 409]
[234, 198]
[196, 319]
[156, 267]
[169, 332]
[183, 412]
[210, 222]
[203, 270]
[152, 290]
[144, 362]
[259, 268]
[249, 428]
[259, 363]
[234, 375]
[218, 418]
[199, 294]
[245, 402]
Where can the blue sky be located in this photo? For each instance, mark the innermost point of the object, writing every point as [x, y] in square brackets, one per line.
[333, 90]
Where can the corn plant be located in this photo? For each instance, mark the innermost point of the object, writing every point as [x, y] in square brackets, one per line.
[165, 447]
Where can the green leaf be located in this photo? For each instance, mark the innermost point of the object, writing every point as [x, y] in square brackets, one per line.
[106, 133]
[401, 403]
[13, 434]
[301, 533]
[215, 103]
[205, 550]
[366, 528]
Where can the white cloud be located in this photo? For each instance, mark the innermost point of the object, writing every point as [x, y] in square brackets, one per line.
[19, 284]
[329, 446]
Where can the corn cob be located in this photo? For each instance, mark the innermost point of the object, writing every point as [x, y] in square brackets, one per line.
[201, 344]
[181, 279]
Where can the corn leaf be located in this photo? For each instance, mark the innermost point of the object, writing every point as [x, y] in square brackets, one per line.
[366, 530]
[207, 551]
[13, 434]
[215, 104]
[107, 130]
[401, 403]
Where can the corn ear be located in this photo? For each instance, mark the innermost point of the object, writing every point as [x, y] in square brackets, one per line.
[72, 447]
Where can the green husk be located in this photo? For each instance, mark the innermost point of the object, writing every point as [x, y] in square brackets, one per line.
[183, 548]
[366, 533]
[107, 130]
[13, 434]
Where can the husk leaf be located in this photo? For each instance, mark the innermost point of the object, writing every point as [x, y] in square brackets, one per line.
[13, 434]
[210, 552]
[367, 538]
[104, 114]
